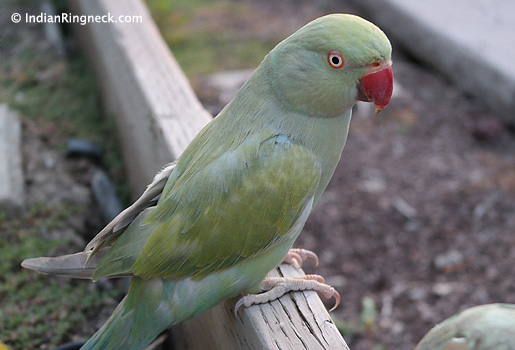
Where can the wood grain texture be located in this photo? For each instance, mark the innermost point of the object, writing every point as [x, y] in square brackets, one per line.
[157, 115]
[142, 85]
[297, 320]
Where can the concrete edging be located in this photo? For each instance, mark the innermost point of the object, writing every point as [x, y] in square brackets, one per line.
[11, 165]
[469, 41]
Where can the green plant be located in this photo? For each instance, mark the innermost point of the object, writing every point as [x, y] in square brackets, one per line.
[38, 309]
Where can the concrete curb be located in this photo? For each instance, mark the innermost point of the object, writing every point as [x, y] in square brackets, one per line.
[470, 41]
[11, 173]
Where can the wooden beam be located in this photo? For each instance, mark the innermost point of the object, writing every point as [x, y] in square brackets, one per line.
[158, 114]
[142, 85]
[297, 321]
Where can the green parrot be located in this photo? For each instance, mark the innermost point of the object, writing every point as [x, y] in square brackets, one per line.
[213, 224]
[484, 327]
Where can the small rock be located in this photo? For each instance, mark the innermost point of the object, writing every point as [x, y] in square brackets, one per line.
[412, 226]
[484, 206]
[83, 148]
[443, 289]
[337, 281]
[397, 328]
[450, 261]
[417, 293]
[404, 208]
[372, 181]
[49, 161]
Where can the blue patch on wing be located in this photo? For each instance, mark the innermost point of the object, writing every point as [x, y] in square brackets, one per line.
[282, 140]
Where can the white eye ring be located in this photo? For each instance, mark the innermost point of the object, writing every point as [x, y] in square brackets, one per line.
[335, 59]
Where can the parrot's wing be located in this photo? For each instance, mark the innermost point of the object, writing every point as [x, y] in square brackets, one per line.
[117, 226]
[218, 214]
[83, 264]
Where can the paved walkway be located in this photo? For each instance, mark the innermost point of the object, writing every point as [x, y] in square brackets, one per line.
[470, 41]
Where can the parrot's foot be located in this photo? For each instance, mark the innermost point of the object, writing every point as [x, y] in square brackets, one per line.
[296, 257]
[273, 288]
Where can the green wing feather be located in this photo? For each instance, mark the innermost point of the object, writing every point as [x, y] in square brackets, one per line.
[217, 215]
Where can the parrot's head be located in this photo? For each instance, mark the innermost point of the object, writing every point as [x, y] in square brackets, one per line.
[324, 67]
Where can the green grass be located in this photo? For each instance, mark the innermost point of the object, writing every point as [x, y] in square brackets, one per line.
[61, 99]
[38, 309]
[365, 328]
[209, 36]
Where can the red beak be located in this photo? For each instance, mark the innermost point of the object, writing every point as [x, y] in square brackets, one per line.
[377, 87]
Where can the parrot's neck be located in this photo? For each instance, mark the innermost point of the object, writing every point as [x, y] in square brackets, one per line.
[257, 108]
[327, 148]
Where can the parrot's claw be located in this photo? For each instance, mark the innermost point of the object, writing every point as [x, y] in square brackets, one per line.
[273, 288]
[296, 257]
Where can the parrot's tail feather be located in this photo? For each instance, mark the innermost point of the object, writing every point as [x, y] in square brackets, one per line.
[137, 320]
[72, 265]
[114, 333]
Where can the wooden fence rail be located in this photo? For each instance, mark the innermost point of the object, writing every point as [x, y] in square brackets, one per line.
[158, 114]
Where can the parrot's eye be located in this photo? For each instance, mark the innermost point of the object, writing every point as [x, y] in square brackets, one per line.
[335, 59]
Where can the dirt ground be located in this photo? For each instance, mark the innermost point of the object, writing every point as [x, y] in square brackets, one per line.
[420, 214]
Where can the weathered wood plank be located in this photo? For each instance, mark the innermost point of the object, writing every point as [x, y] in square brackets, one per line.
[296, 321]
[157, 115]
[142, 85]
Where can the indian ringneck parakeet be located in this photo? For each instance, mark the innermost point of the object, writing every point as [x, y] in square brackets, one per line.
[213, 224]
[484, 327]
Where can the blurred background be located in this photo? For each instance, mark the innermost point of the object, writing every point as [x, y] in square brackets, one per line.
[417, 223]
